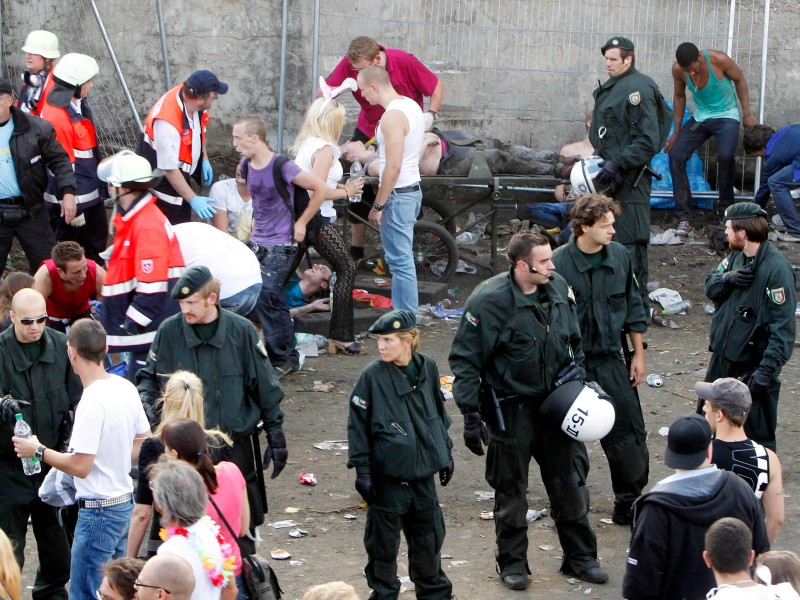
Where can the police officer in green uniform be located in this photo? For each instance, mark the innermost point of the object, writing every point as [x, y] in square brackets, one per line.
[629, 126]
[518, 336]
[753, 328]
[37, 381]
[610, 306]
[239, 385]
[397, 438]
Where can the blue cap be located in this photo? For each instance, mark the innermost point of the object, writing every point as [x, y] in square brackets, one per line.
[203, 82]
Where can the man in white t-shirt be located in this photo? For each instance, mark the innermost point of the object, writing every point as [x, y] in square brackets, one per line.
[233, 263]
[110, 425]
[400, 136]
[232, 201]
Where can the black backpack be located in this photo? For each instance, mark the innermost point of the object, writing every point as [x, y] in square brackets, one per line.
[301, 197]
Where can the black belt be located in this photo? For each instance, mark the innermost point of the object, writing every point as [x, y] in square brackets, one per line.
[124, 499]
[15, 201]
[277, 249]
[409, 188]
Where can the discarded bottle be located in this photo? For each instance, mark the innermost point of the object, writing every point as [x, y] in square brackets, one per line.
[30, 466]
[331, 285]
[676, 307]
[446, 303]
[468, 237]
[301, 339]
[668, 323]
[654, 380]
[356, 171]
[451, 293]
[709, 309]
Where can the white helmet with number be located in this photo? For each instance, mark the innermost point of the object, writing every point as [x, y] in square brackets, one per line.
[42, 43]
[128, 170]
[580, 413]
[76, 69]
[582, 175]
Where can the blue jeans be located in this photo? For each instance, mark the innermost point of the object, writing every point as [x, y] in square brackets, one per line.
[273, 312]
[100, 535]
[244, 302]
[781, 184]
[726, 134]
[397, 236]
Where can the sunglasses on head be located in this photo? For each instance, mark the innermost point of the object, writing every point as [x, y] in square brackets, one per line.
[27, 321]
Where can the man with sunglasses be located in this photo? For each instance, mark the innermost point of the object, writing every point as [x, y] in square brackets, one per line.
[38, 382]
[165, 576]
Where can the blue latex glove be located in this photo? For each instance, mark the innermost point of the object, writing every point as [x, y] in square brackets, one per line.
[201, 205]
[208, 172]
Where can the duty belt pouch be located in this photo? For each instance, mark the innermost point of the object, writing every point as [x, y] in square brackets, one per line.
[11, 215]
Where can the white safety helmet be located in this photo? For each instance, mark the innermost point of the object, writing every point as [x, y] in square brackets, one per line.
[582, 175]
[128, 170]
[580, 413]
[42, 43]
[76, 69]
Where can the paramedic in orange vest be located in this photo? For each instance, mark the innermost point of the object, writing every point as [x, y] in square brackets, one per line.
[66, 108]
[41, 52]
[173, 140]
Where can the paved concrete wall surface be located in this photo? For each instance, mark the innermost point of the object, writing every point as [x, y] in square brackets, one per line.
[518, 70]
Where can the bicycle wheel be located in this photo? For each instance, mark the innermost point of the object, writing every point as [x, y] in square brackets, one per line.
[435, 252]
[436, 211]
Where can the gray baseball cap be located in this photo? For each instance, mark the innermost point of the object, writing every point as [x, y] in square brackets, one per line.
[731, 395]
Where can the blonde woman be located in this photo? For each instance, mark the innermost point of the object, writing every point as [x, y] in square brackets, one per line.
[9, 570]
[183, 399]
[317, 151]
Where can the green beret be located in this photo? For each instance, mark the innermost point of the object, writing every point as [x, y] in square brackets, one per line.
[617, 42]
[744, 210]
[191, 281]
[394, 322]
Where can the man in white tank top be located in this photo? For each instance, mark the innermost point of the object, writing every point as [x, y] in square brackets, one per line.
[400, 136]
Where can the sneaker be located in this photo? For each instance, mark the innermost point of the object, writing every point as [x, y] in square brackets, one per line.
[683, 228]
[787, 237]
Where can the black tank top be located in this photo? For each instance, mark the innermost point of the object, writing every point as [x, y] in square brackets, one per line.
[746, 459]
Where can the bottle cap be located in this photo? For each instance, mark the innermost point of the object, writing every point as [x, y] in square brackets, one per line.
[18, 416]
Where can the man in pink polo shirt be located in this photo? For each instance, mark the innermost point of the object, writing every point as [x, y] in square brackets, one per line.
[409, 77]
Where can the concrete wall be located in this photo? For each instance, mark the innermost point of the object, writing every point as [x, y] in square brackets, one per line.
[522, 71]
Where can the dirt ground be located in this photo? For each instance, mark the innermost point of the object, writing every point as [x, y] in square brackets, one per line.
[333, 548]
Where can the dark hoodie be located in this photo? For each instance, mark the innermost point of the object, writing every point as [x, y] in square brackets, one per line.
[665, 559]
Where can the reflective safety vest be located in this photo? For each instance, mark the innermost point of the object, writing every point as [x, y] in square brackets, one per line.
[171, 108]
[76, 133]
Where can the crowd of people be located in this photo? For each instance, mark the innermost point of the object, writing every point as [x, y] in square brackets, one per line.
[204, 313]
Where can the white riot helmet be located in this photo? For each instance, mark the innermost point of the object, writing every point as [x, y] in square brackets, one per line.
[580, 413]
[43, 43]
[582, 175]
[76, 69]
[128, 170]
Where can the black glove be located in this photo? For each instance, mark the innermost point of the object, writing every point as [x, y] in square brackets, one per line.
[10, 408]
[572, 372]
[276, 451]
[609, 172]
[739, 278]
[598, 390]
[446, 474]
[475, 433]
[364, 487]
[760, 380]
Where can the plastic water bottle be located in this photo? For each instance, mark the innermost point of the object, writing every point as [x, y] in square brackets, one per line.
[356, 171]
[676, 308]
[331, 285]
[444, 304]
[31, 466]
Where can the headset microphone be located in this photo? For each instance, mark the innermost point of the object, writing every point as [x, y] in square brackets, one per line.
[532, 270]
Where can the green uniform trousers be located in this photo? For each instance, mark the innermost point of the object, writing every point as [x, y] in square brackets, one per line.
[626, 444]
[413, 508]
[563, 467]
[763, 418]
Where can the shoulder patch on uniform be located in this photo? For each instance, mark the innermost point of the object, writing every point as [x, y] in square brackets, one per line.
[359, 402]
[261, 348]
[471, 319]
[723, 266]
[635, 98]
[153, 356]
[147, 265]
[778, 295]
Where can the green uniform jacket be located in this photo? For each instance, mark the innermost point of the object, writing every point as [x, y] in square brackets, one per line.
[52, 388]
[755, 325]
[239, 385]
[396, 431]
[625, 127]
[608, 298]
[503, 340]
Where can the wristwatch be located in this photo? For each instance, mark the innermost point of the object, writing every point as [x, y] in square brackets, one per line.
[377, 207]
[40, 452]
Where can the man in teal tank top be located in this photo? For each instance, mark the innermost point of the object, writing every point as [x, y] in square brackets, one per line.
[715, 81]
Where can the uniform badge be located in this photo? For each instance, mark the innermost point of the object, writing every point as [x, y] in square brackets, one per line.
[635, 98]
[185, 290]
[396, 324]
[359, 402]
[471, 319]
[777, 296]
[147, 265]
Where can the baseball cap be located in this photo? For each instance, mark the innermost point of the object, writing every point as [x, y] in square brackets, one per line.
[687, 442]
[622, 43]
[204, 81]
[730, 394]
[5, 87]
